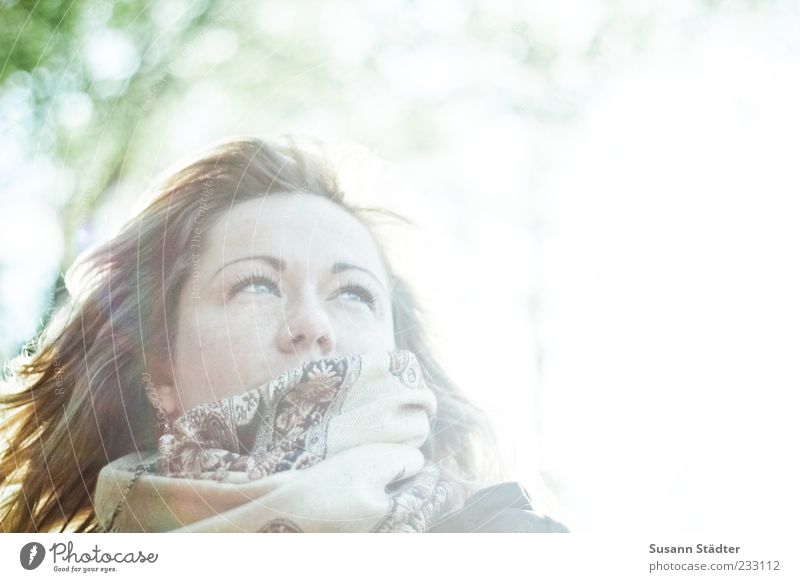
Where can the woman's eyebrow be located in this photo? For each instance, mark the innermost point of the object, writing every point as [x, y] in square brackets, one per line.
[280, 266]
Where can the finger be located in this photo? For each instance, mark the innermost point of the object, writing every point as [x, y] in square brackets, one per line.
[351, 485]
[364, 466]
[383, 463]
[404, 420]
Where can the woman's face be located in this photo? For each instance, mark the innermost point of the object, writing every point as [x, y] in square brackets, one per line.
[276, 281]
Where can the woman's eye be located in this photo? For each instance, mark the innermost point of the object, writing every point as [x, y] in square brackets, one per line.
[358, 293]
[255, 285]
[257, 288]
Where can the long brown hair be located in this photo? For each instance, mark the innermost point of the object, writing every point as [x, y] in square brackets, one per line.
[80, 400]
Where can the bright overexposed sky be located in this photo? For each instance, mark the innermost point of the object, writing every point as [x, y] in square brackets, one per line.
[606, 196]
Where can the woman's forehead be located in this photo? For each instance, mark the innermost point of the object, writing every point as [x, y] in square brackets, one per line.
[294, 228]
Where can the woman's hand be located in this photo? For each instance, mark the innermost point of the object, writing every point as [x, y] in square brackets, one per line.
[345, 492]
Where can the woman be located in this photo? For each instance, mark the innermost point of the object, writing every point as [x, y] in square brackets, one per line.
[241, 357]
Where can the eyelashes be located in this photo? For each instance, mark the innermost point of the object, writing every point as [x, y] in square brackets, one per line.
[253, 278]
[363, 292]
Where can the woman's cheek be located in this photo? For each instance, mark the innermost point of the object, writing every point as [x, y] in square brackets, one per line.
[253, 313]
[359, 332]
[354, 318]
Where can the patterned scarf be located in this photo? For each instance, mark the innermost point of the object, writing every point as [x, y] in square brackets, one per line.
[334, 445]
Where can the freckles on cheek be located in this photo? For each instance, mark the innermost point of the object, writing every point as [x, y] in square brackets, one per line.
[235, 326]
[232, 345]
[251, 324]
[206, 327]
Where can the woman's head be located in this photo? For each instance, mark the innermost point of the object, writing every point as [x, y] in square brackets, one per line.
[246, 262]
[277, 280]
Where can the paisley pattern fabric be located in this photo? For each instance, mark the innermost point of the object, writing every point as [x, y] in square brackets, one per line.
[249, 462]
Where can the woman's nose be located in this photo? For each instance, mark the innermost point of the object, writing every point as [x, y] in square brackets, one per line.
[306, 328]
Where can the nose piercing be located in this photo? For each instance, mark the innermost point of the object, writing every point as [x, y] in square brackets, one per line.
[291, 335]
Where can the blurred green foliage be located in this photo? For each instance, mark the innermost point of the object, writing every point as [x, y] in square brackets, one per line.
[96, 96]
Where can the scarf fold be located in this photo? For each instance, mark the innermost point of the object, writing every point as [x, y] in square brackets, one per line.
[333, 445]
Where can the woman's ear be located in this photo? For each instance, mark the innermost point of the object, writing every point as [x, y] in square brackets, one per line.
[164, 398]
